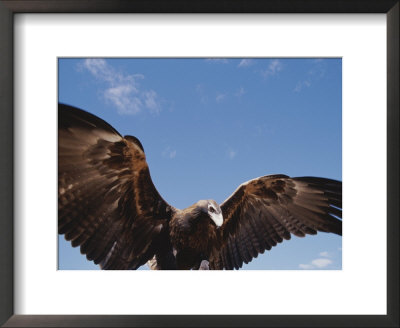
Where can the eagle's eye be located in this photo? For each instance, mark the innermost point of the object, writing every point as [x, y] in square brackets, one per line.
[211, 209]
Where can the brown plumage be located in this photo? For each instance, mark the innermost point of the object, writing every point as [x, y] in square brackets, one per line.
[108, 206]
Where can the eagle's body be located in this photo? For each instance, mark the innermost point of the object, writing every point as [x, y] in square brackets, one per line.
[108, 206]
[188, 229]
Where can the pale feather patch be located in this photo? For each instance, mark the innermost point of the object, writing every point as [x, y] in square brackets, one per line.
[217, 218]
[152, 264]
[204, 265]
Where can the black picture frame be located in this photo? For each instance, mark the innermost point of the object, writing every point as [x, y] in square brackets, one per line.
[7, 10]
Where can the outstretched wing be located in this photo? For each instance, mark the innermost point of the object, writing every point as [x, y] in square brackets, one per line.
[265, 211]
[107, 203]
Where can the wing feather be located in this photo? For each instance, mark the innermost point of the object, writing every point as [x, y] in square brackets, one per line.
[265, 211]
[107, 202]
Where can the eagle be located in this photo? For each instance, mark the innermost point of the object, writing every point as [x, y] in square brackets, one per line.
[110, 208]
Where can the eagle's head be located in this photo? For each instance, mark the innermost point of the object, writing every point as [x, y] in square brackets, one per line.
[212, 209]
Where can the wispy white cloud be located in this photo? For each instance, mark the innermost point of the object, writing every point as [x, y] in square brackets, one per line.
[318, 263]
[122, 90]
[321, 263]
[169, 153]
[200, 90]
[316, 73]
[220, 97]
[324, 254]
[301, 85]
[246, 63]
[172, 154]
[305, 266]
[274, 67]
[231, 153]
[318, 70]
[121, 97]
[240, 92]
[217, 60]
[263, 129]
[151, 101]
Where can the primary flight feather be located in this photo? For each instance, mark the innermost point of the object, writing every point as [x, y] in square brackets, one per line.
[109, 206]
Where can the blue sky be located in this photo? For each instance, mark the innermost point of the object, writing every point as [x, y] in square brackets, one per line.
[208, 125]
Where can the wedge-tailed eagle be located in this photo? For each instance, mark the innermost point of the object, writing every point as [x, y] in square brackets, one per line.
[109, 206]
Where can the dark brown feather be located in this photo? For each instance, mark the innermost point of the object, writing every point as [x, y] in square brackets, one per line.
[107, 202]
[263, 212]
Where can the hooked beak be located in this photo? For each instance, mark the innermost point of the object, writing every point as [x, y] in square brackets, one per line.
[217, 218]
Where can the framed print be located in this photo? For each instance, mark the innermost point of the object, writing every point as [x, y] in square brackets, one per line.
[58, 50]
